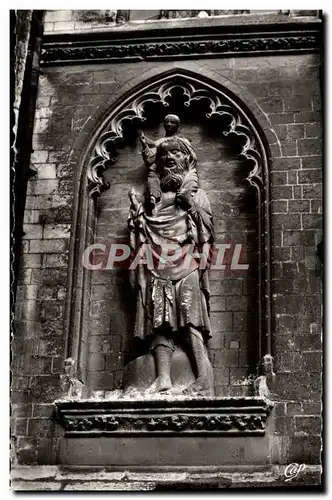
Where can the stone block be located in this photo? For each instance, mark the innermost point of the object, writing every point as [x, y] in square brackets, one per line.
[217, 303]
[295, 238]
[24, 276]
[40, 427]
[224, 358]
[47, 186]
[286, 221]
[31, 216]
[295, 131]
[221, 321]
[297, 192]
[279, 178]
[312, 162]
[221, 376]
[311, 361]
[36, 486]
[308, 425]
[304, 387]
[281, 131]
[284, 426]
[278, 207]
[55, 260]
[314, 221]
[292, 177]
[316, 206]
[281, 118]
[26, 292]
[286, 163]
[166, 451]
[293, 408]
[96, 362]
[32, 231]
[273, 104]
[312, 408]
[46, 170]
[289, 147]
[227, 287]
[40, 156]
[310, 176]
[51, 346]
[45, 389]
[298, 103]
[237, 303]
[308, 342]
[63, 26]
[313, 130]
[48, 246]
[19, 427]
[301, 206]
[281, 254]
[52, 16]
[42, 410]
[21, 410]
[281, 193]
[314, 191]
[310, 146]
[57, 365]
[49, 277]
[41, 125]
[25, 449]
[305, 449]
[308, 117]
[56, 231]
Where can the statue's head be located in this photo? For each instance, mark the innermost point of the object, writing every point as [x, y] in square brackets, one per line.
[171, 124]
[175, 156]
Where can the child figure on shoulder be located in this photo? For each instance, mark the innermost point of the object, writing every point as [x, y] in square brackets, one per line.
[149, 147]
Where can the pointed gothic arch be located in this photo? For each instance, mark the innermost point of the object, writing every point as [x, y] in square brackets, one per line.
[235, 121]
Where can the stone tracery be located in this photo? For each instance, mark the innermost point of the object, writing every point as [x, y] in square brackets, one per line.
[219, 106]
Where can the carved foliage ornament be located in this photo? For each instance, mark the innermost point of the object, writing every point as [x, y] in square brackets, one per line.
[218, 415]
[176, 423]
[228, 117]
[64, 53]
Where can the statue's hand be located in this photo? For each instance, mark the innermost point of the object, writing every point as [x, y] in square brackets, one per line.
[184, 199]
[133, 199]
[142, 138]
[152, 201]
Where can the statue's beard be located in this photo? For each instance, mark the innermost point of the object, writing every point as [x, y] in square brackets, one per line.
[172, 178]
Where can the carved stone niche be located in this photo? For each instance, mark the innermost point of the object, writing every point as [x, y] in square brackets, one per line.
[82, 412]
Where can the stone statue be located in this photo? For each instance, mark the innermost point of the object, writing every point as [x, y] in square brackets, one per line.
[172, 298]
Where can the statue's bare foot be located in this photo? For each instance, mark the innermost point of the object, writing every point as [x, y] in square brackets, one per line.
[131, 392]
[201, 387]
[176, 390]
[161, 384]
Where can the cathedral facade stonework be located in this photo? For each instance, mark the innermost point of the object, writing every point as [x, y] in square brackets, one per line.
[168, 306]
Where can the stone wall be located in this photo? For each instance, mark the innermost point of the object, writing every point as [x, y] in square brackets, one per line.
[72, 99]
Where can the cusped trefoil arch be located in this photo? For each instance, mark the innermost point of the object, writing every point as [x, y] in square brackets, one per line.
[232, 122]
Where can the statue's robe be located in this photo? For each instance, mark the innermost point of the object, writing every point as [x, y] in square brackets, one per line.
[176, 296]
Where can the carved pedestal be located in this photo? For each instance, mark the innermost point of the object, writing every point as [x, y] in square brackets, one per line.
[172, 433]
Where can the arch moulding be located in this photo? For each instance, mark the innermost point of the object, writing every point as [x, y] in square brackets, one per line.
[237, 123]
